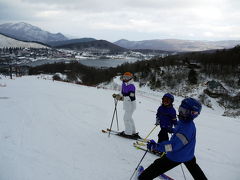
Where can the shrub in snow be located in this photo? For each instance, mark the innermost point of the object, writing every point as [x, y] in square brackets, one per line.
[204, 99]
[56, 77]
[232, 113]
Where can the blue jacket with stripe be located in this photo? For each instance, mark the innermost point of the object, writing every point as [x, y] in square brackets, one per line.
[181, 146]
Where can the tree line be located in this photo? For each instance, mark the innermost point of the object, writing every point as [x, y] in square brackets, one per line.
[221, 64]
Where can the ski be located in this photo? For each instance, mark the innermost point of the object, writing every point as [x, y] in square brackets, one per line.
[165, 177]
[118, 134]
[139, 147]
[111, 132]
[141, 143]
[162, 176]
[145, 149]
[115, 133]
[139, 172]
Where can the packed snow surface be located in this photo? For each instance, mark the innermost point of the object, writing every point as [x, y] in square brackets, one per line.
[51, 130]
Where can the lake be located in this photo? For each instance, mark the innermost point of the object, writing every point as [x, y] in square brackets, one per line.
[105, 63]
[98, 63]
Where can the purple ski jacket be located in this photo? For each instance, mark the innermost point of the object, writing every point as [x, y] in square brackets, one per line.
[128, 90]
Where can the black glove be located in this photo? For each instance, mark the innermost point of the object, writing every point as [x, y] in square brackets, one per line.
[118, 97]
[157, 122]
[170, 130]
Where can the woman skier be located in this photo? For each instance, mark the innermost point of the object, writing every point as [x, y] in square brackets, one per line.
[129, 105]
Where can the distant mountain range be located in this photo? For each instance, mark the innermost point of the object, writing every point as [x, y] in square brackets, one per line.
[6, 42]
[94, 46]
[27, 32]
[71, 41]
[176, 44]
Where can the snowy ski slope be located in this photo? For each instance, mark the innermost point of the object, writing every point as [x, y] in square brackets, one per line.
[51, 130]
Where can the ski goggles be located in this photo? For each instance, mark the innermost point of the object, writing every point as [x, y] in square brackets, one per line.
[186, 112]
[126, 78]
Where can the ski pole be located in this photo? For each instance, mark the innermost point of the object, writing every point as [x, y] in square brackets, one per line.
[145, 139]
[183, 172]
[150, 133]
[115, 110]
[139, 164]
[117, 118]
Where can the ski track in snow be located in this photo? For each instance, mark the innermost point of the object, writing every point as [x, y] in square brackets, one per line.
[52, 130]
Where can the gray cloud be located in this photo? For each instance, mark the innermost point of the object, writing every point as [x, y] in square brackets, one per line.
[132, 19]
[6, 13]
[17, 11]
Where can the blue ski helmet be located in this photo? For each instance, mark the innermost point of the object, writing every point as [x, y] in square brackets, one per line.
[189, 109]
[168, 95]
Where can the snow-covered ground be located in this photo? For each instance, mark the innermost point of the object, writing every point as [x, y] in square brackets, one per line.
[51, 130]
[9, 42]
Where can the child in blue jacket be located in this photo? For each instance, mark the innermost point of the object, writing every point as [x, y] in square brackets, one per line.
[166, 117]
[180, 148]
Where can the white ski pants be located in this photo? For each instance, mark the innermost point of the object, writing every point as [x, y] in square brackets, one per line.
[129, 107]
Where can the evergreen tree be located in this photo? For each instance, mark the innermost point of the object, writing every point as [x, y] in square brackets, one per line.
[192, 77]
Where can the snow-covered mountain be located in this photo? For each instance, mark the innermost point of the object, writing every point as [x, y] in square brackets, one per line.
[10, 42]
[52, 130]
[27, 32]
[176, 44]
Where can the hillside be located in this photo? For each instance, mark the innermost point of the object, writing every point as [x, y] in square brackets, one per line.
[183, 74]
[97, 46]
[52, 130]
[27, 32]
[176, 44]
[6, 41]
[71, 41]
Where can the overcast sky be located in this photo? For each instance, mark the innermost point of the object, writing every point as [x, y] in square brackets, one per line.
[129, 19]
